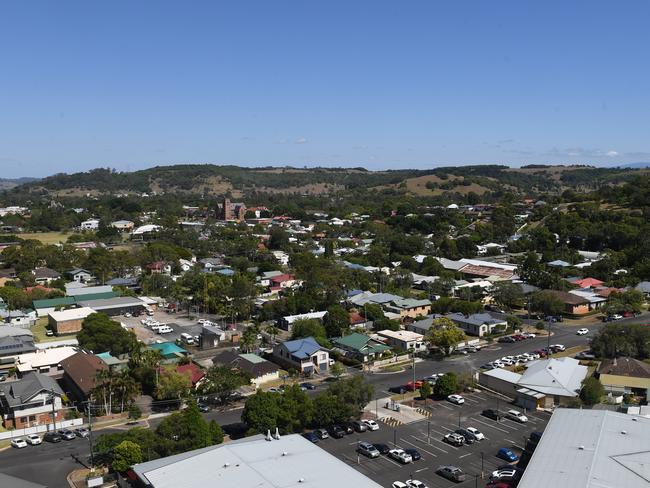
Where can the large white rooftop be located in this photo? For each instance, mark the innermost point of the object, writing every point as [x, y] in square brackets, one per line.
[71, 314]
[591, 449]
[290, 461]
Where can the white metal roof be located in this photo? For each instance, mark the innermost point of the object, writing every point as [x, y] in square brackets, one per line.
[290, 461]
[591, 449]
[503, 374]
[71, 314]
[44, 357]
[561, 376]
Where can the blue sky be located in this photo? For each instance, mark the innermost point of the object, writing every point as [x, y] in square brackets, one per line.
[131, 84]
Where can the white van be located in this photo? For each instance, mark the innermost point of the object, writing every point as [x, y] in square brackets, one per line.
[164, 329]
[187, 339]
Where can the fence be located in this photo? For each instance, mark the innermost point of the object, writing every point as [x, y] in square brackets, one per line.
[39, 428]
[394, 359]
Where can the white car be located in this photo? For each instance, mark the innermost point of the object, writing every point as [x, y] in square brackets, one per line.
[498, 363]
[33, 439]
[371, 424]
[517, 416]
[507, 362]
[529, 335]
[616, 316]
[582, 331]
[399, 484]
[477, 433]
[400, 455]
[558, 347]
[18, 443]
[534, 355]
[457, 399]
[415, 484]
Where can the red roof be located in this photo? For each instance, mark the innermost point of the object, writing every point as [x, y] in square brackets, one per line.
[587, 283]
[282, 278]
[196, 373]
[156, 265]
[356, 318]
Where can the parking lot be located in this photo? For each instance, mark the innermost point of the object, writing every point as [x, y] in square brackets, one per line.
[427, 437]
[180, 324]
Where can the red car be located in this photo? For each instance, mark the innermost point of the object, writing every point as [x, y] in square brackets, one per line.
[519, 337]
[418, 385]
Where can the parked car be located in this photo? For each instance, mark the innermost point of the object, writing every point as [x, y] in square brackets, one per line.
[517, 416]
[49, 332]
[478, 435]
[18, 443]
[454, 439]
[583, 331]
[452, 473]
[382, 448]
[33, 439]
[368, 450]
[307, 386]
[336, 431]
[66, 434]
[616, 316]
[456, 399]
[558, 347]
[529, 335]
[519, 337]
[414, 453]
[359, 426]
[348, 427]
[82, 432]
[507, 340]
[398, 484]
[321, 433]
[400, 455]
[410, 386]
[371, 424]
[311, 437]
[203, 407]
[415, 484]
[492, 414]
[507, 455]
[585, 355]
[469, 437]
[52, 437]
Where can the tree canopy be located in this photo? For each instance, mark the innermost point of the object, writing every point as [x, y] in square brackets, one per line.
[101, 334]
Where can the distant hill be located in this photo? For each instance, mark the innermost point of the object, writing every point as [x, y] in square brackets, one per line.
[8, 183]
[209, 179]
[634, 165]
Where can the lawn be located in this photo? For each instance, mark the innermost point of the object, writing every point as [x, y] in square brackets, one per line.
[46, 237]
[39, 331]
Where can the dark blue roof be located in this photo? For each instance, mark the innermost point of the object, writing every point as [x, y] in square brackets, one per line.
[302, 348]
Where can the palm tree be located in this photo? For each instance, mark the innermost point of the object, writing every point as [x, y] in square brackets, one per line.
[127, 388]
[272, 330]
[248, 340]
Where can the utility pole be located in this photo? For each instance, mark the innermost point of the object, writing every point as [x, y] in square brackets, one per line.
[52, 398]
[90, 434]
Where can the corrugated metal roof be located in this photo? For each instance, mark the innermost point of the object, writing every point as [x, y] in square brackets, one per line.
[591, 449]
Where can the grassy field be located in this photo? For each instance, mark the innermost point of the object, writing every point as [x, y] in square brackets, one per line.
[46, 237]
[39, 331]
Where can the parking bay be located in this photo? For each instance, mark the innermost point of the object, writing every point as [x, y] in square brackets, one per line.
[427, 437]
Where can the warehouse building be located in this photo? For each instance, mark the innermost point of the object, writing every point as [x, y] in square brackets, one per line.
[68, 321]
[114, 306]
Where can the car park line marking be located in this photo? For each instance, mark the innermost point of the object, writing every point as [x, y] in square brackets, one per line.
[446, 406]
[386, 458]
[421, 469]
[491, 426]
[431, 445]
[419, 447]
[471, 400]
[465, 455]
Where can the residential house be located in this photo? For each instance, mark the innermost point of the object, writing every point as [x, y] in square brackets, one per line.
[34, 399]
[170, 352]
[192, 370]
[409, 307]
[45, 361]
[128, 283]
[287, 322]
[159, 267]
[550, 382]
[80, 275]
[114, 363]
[586, 282]
[259, 369]
[478, 324]
[280, 282]
[44, 276]
[358, 321]
[211, 264]
[90, 224]
[123, 225]
[305, 355]
[573, 304]
[18, 318]
[210, 337]
[14, 341]
[360, 347]
[404, 340]
[8, 274]
[625, 375]
[80, 374]
[281, 257]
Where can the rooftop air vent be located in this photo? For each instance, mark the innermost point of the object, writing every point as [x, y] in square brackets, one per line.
[624, 432]
[301, 480]
[582, 448]
[285, 453]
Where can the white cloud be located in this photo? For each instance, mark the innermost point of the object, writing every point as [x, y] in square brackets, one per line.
[301, 140]
[612, 154]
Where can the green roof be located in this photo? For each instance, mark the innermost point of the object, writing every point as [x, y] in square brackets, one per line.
[53, 302]
[253, 358]
[64, 301]
[361, 343]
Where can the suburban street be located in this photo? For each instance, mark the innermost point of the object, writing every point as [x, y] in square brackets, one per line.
[55, 461]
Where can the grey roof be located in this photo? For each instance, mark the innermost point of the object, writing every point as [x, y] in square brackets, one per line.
[14, 345]
[106, 303]
[7, 481]
[288, 462]
[79, 291]
[644, 287]
[21, 391]
[9, 331]
[591, 449]
[561, 376]
[475, 319]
